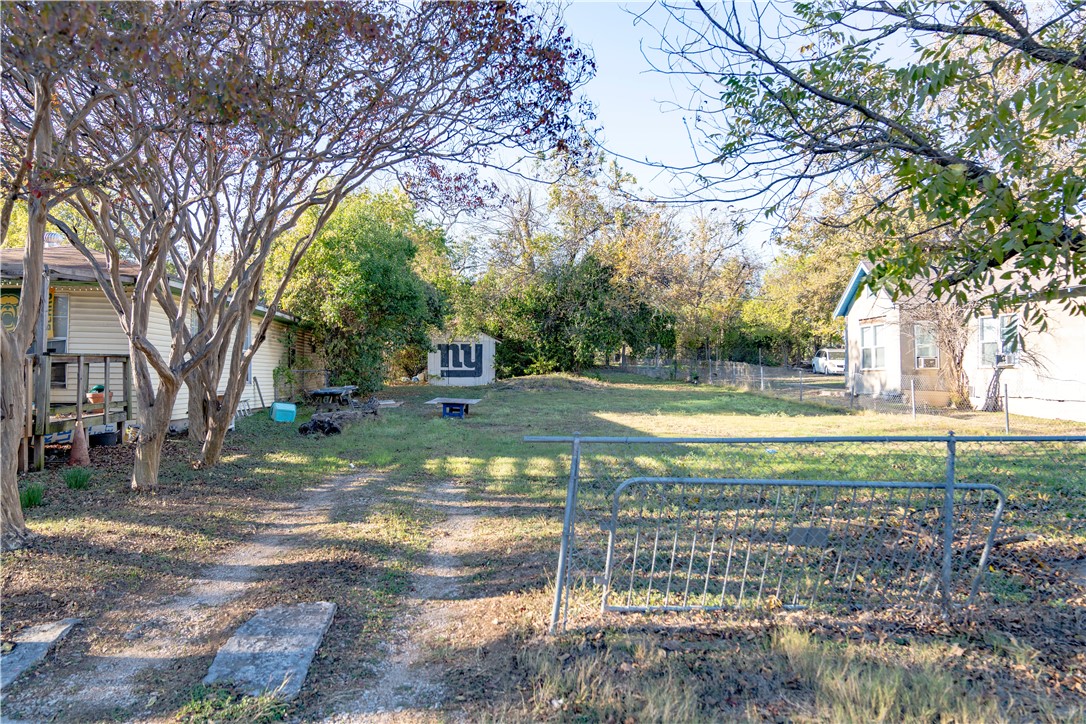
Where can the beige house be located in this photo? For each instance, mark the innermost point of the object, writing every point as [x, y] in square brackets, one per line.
[887, 353]
[81, 325]
[890, 353]
[1041, 372]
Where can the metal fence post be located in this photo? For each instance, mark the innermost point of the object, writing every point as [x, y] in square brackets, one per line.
[948, 521]
[561, 582]
[801, 385]
[1006, 409]
[912, 395]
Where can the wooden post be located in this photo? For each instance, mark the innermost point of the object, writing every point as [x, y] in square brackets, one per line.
[80, 382]
[41, 409]
[28, 425]
[126, 369]
[256, 382]
[105, 393]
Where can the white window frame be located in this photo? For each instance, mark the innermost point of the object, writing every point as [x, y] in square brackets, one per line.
[871, 343]
[927, 350]
[1000, 335]
[58, 344]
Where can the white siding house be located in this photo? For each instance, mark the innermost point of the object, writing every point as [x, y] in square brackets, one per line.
[82, 321]
[889, 353]
[873, 343]
[1043, 373]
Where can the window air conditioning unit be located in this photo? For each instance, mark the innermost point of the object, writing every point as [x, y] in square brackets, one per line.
[926, 363]
[1008, 359]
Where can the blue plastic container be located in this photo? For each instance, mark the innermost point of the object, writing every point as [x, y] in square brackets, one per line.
[283, 411]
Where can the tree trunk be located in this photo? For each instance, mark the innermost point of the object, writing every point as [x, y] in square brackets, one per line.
[218, 424]
[211, 452]
[154, 419]
[14, 344]
[993, 401]
[13, 533]
[200, 406]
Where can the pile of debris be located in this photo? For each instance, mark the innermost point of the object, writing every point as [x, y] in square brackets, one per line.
[336, 421]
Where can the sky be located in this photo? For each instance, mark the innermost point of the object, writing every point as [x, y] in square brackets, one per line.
[641, 111]
[634, 104]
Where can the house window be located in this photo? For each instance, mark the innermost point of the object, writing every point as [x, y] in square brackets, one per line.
[872, 351]
[58, 340]
[999, 341]
[927, 351]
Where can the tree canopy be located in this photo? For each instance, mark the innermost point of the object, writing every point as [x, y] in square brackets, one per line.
[971, 114]
[359, 287]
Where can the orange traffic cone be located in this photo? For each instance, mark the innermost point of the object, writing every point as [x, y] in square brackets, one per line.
[80, 454]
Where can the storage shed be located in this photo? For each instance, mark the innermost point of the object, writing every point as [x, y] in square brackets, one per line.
[462, 362]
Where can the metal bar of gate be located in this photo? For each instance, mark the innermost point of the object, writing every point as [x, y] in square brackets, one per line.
[801, 440]
[948, 522]
[568, 532]
[560, 583]
[741, 483]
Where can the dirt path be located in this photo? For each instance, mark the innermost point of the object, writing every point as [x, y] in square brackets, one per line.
[115, 677]
[409, 687]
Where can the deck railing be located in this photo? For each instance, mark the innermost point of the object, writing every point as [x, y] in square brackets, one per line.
[56, 409]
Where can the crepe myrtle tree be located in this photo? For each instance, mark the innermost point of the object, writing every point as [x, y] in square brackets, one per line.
[285, 109]
[161, 113]
[974, 112]
[414, 88]
[45, 47]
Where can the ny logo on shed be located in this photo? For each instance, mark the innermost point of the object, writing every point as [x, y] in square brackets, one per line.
[461, 360]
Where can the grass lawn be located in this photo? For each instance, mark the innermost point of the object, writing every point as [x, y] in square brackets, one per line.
[100, 547]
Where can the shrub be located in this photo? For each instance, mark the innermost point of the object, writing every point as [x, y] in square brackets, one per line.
[77, 478]
[209, 703]
[31, 497]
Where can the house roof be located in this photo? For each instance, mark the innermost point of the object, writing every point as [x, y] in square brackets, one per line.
[844, 304]
[66, 263]
[63, 263]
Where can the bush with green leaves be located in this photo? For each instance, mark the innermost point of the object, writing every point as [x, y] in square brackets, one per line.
[359, 286]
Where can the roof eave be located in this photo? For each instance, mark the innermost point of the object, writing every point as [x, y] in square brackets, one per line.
[844, 304]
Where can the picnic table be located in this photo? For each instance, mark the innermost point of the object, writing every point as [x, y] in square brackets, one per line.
[334, 396]
[453, 406]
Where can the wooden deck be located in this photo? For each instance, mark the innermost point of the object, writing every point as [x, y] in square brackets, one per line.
[45, 414]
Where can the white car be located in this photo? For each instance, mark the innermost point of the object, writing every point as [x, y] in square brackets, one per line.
[829, 362]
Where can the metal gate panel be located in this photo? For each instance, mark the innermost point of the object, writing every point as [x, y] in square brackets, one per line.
[682, 544]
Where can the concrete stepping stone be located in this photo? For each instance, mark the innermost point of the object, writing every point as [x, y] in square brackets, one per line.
[31, 646]
[271, 652]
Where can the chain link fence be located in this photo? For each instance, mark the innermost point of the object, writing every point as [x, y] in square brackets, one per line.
[835, 524]
[923, 393]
